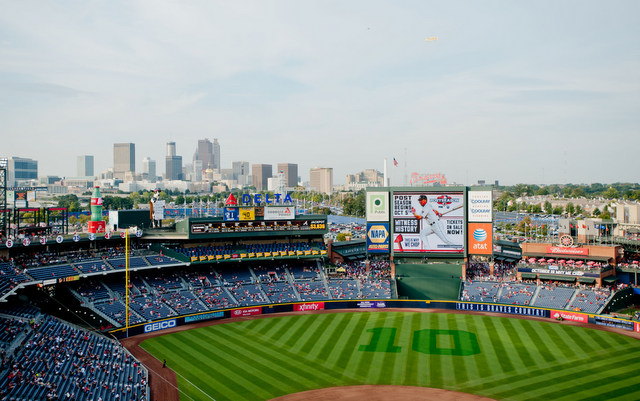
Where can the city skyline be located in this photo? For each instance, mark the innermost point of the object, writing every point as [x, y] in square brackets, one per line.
[509, 91]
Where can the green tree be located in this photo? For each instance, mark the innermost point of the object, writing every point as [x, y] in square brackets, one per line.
[611, 193]
[341, 237]
[570, 209]
[548, 207]
[558, 210]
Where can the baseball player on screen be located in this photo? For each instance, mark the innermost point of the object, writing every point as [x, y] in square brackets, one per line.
[429, 222]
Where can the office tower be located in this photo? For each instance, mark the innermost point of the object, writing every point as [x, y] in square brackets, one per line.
[260, 176]
[321, 180]
[85, 166]
[149, 169]
[124, 159]
[241, 172]
[20, 171]
[216, 155]
[204, 153]
[290, 174]
[173, 163]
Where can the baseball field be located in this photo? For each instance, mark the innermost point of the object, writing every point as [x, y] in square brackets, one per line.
[496, 357]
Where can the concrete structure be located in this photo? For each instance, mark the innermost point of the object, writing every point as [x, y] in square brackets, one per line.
[85, 166]
[260, 176]
[21, 171]
[321, 180]
[173, 163]
[124, 159]
[290, 171]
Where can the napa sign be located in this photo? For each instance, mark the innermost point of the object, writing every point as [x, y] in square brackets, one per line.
[266, 199]
[378, 237]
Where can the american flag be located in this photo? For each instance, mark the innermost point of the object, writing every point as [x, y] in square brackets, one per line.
[395, 162]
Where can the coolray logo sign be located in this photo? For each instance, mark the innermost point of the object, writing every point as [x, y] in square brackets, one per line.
[246, 312]
[166, 324]
[377, 206]
[480, 206]
[574, 317]
[308, 306]
[480, 238]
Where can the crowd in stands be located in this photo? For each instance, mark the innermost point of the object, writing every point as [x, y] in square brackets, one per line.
[44, 358]
[502, 271]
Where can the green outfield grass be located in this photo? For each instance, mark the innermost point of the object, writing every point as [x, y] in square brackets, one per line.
[502, 358]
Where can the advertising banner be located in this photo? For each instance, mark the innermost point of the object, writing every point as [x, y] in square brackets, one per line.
[203, 316]
[279, 213]
[377, 206]
[378, 237]
[165, 324]
[480, 205]
[231, 214]
[246, 312]
[613, 322]
[559, 250]
[247, 214]
[308, 306]
[508, 309]
[571, 316]
[428, 222]
[372, 304]
[480, 238]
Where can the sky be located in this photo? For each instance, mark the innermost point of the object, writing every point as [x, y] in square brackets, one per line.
[541, 92]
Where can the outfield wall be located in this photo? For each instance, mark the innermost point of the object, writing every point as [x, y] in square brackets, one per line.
[164, 324]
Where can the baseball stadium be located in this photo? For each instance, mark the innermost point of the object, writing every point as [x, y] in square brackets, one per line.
[250, 301]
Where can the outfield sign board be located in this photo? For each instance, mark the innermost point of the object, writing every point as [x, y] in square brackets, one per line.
[246, 312]
[480, 206]
[377, 206]
[156, 326]
[279, 213]
[508, 309]
[571, 316]
[378, 237]
[203, 316]
[613, 322]
[307, 306]
[372, 304]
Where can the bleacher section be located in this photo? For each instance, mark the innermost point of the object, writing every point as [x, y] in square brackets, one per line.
[58, 361]
[516, 294]
[52, 272]
[590, 301]
[555, 298]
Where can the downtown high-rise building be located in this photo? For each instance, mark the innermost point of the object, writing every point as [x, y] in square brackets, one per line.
[149, 169]
[124, 159]
[21, 171]
[321, 180]
[173, 163]
[216, 155]
[241, 172]
[85, 166]
[260, 174]
[204, 154]
[290, 171]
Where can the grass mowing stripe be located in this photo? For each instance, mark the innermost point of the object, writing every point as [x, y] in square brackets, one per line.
[362, 361]
[459, 363]
[280, 328]
[471, 365]
[602, 338]
[497, 346]
[597, 382]
[283, 357]
[574, 366]
[434, 362]
[305, 332]
[582, 340]
[318, 332]
[259, 362]
[327, 342]
[181, 359]
[266, 325]
[398, 367]
[409, 368]
[339, 357]
[538, 342]
[291, 328]
[386, 370]
[539, 384]
[554, 333]
[231, 362]
[480, 360]
[513, 328]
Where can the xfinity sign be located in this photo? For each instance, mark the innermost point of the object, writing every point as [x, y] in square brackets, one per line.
[166, 324]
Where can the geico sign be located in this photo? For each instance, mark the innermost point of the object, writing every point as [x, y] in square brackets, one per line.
[159, 325]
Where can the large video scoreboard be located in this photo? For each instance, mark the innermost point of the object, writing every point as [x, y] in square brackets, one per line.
[256, 226]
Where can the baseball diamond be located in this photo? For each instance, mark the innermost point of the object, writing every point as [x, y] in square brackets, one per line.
[495, 357]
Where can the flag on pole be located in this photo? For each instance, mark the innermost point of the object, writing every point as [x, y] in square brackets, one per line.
[395, 162]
